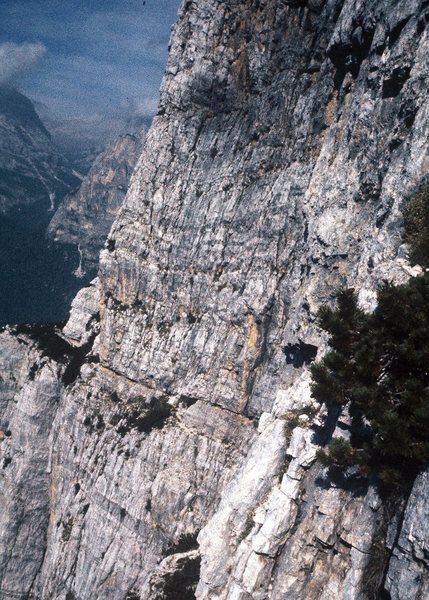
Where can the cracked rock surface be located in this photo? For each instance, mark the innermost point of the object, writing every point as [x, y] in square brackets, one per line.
[178, 450]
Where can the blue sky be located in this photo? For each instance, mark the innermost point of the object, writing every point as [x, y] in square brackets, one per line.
[88, 57]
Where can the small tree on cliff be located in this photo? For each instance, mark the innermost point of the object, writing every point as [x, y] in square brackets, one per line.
[379, 365]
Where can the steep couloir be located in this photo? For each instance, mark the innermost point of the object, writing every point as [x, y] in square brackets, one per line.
[181, 452]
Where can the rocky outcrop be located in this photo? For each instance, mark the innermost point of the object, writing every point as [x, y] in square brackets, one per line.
[183, 447]
[84, 218]
[30, 386]
[407, 575]
[32, 170]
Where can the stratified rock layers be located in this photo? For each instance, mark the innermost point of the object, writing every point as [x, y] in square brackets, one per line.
[289, 136]
[275, 173]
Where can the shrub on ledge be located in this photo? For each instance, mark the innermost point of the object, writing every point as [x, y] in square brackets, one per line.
[339, 453]
[378, 364]
[417, 227]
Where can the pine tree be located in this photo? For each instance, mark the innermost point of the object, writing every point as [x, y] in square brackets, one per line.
[378, 364]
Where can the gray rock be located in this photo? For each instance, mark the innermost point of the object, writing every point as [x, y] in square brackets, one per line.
[288, 140]
[272, 175]
[30, 385]
[408, 574]
[83, 315]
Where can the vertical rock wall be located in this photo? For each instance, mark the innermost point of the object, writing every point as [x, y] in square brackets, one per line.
[289, 136]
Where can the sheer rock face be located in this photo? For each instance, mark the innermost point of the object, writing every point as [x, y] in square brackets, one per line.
[29, 390]
[129, 487]
[289, 136]
[409, 566]
[84, 218]
[32, 170]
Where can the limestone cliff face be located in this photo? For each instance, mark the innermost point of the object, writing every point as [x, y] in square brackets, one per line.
[276, 171]
[182, 456]
[84, 218]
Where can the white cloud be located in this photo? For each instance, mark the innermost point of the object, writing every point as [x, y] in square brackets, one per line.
[146, 106]
[17, 59]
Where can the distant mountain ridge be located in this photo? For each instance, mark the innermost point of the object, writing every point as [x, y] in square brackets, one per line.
[15, 105]
[33, 172]
[41, 267]
[84, 217]
[37, 279]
